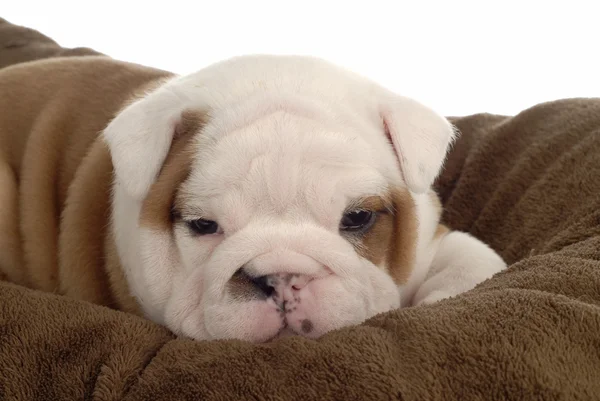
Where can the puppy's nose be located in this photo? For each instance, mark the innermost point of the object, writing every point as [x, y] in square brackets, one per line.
[263, 283]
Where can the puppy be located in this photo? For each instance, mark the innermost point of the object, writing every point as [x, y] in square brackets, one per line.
[261, 196]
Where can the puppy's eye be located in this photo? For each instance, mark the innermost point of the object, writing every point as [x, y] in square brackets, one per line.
[203, 227]
[357, 220]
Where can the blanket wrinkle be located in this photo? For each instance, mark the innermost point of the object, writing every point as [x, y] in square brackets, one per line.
[527, 185]
[147, 361]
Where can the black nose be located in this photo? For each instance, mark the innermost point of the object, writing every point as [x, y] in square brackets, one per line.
[263, 284]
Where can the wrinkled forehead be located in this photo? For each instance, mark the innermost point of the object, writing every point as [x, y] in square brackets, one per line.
[283, 160]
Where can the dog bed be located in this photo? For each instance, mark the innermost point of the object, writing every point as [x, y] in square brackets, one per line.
[528, 185]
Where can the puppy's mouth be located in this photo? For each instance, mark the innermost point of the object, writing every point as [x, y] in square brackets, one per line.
[284, 331]
[286, 312]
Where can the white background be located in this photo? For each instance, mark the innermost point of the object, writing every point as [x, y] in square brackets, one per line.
[458, 57]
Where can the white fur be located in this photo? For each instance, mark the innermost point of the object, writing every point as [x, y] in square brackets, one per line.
[460, 263]
[289, 142]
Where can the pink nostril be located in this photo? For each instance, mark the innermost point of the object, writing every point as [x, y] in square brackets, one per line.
[299, 282]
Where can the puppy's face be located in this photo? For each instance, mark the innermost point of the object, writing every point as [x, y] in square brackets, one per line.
[280, 213]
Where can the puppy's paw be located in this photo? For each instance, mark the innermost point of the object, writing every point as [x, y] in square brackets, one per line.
[461, 263]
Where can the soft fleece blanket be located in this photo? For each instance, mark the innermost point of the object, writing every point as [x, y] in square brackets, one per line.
[529, 185]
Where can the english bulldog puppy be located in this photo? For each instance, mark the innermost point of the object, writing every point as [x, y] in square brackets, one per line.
[258, 197]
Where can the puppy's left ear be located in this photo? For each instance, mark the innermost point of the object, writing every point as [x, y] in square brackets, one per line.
[420, 138]
[140, 137]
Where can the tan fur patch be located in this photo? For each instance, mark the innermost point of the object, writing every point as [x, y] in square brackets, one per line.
[376, 242]
[11, 263]
[121, 295]
[83, 226]
[391, 241]
[158, 206]
[402, 252]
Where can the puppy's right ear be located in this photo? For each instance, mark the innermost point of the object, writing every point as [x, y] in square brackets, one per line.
[140, 137]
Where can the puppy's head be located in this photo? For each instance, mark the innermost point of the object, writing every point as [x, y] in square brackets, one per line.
[271, 195]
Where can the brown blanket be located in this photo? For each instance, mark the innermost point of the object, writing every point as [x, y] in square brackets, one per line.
[19, 44]
[528, 185]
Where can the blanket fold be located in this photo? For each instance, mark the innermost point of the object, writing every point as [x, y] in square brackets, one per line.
[528, 185]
